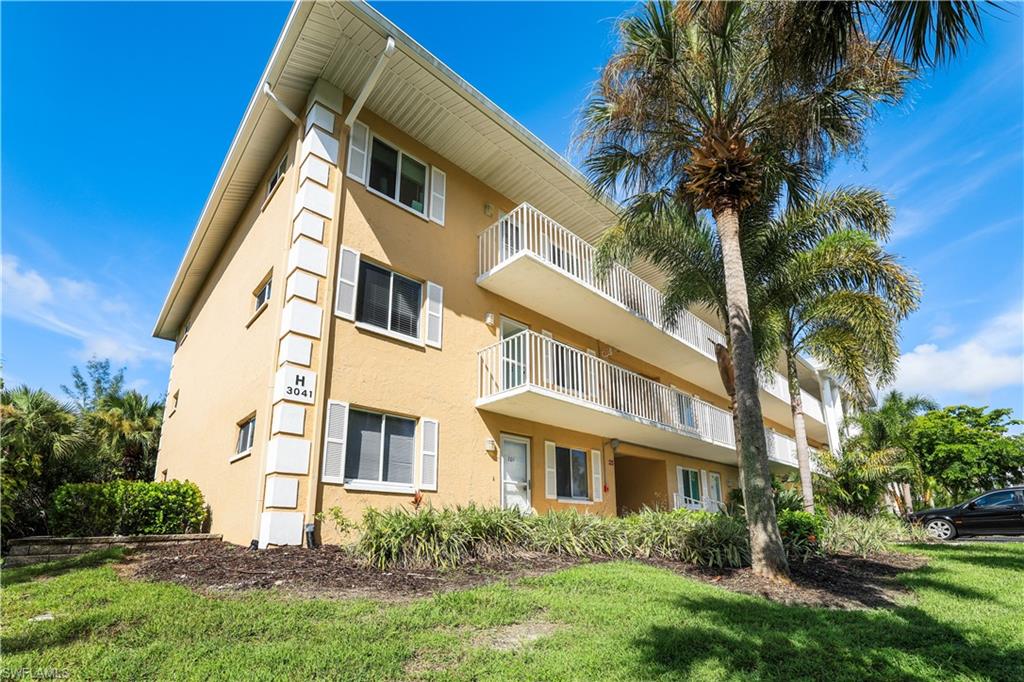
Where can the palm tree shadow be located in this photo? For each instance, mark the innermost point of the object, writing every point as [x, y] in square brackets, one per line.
[758, 638]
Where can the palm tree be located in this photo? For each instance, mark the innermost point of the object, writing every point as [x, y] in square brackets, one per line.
[42, 446]
[838, 296]
[855, 482]
[886, 431]
[129, 427]
[696, 107]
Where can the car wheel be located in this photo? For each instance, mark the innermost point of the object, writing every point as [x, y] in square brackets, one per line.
[940, 529]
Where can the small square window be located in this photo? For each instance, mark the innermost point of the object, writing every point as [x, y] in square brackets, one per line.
[263, 294]
[381, 448]
[397, 176]
[277, 175]
[246, 435]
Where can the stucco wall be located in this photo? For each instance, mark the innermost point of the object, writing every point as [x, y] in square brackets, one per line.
[223, 370]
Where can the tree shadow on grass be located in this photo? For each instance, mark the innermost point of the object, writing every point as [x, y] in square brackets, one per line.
[985, 555]
[763, 640]
[24, 574]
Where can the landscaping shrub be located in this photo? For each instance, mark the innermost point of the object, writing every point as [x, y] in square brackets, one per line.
[437, 538]
[851, 534]
[128, 508]
[448, 537]
[801, 533]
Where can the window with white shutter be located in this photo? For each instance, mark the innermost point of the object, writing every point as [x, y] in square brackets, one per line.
[358, 146]
[550, 473]
[334, 442]
[435, 313]
[348, 284]
[429, 441]
[595, 472]
[438, 190]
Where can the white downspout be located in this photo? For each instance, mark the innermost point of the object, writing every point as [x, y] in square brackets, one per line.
[281, 105]
[371, 81]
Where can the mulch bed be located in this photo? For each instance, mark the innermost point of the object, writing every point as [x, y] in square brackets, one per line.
[838, 582]
[844, 582]
[326, 571]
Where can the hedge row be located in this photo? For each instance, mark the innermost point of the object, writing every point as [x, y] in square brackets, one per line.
[127, 508]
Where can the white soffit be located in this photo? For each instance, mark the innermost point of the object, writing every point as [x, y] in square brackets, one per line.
[340, 41]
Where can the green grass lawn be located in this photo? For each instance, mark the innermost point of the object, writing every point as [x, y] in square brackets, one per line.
[614, 621]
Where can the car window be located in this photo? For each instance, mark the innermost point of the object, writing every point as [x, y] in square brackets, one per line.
[1002, 498]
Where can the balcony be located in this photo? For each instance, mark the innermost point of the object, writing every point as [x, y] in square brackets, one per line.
[526, 256]
[530, 376]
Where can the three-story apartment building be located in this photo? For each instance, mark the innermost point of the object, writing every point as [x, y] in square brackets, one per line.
[391, 290]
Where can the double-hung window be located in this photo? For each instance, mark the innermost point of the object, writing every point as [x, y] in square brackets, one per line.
[246, 435]
[380, 449]
[571, 473]
[398, 176]
[388, 301]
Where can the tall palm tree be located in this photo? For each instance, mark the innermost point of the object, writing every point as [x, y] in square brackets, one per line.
[129, 427]
[838, 296]
[696, 107]
[886, 429]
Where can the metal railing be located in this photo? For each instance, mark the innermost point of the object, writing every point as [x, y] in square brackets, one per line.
[527, 230]
[680, 501]
[528, 359]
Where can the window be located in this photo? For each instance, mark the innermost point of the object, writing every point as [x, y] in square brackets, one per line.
[689, 482]
[277, 175]
[398, 176]
[571, 473]
[380, 448]
[246, 434]
[388, 301]
[263, 294]
[1003, 498]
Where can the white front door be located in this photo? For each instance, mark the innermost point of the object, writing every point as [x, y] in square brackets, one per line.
[515, 473]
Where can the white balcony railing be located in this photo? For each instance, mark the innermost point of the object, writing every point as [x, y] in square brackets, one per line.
[530, 360]
[680, 501]
[528, 231]
[783, 448]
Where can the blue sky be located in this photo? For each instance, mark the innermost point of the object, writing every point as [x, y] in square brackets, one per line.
[116, 117]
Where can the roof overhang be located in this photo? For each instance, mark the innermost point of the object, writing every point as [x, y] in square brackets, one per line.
[340, 42]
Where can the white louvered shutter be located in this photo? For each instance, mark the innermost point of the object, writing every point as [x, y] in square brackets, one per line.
[595, 473]
[438, 190]
[429, 442]
[348, 283]
[334, 442]
[550, 478]
[358, 151]
[435, 313]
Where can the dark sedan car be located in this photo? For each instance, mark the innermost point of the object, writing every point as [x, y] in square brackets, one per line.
[998, 512]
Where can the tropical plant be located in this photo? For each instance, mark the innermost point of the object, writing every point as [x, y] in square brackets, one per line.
[696, 108]
[863, 536]
[128, 508]
[968, 449]
[43, 445]
[856, 481]
[89, 388]
[128, 425]
[883, 435]
[836, 295]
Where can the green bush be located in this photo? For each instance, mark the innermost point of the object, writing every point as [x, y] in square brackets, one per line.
[128, 508]
[801, 533]
[449, 537]
[851, 534]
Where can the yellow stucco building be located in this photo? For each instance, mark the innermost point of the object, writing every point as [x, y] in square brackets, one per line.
[391, 290]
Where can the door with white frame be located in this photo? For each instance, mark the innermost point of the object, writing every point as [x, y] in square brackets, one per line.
[515, 473]
[513, 353]
[689, 496]
[714, 492]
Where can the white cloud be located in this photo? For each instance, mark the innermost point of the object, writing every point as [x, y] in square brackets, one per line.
[991, 359]
[104, 325]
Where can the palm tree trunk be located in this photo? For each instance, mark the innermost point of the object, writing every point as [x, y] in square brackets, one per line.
[803, 455]
[767, 554]
[908, 499]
